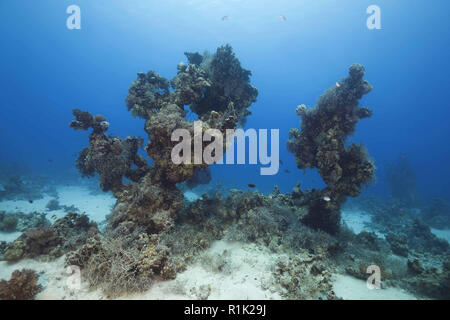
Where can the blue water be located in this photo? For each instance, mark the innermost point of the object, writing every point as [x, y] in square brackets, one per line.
[47, 70]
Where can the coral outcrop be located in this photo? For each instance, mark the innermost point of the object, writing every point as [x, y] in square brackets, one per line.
[218, 90]
[23, 285]
[66, 234]
[215, 87]
[321, 144]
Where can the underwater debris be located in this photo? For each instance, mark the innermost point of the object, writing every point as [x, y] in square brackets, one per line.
[22, 286]
[321, 144]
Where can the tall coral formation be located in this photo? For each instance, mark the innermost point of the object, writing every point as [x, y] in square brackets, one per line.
[215, 87]
[321, 144]
[22, 286]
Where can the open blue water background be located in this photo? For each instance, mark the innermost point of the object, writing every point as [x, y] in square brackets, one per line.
[47, 70]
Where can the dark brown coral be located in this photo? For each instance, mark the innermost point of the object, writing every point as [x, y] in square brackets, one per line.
[22, 286]
[321, 144]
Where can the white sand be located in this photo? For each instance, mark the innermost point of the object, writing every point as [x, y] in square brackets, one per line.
[245, 275]
[9, 236]
[443, 234]
[350, 288]
[95, 206]
[191, 196]
[53, 277]
[358, 221]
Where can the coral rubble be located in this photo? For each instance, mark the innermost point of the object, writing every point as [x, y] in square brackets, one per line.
[321, 144]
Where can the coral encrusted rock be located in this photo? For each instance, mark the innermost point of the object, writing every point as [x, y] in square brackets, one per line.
[321, 144]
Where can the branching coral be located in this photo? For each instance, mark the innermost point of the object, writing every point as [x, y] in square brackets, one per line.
[22, 286]
[321, 144]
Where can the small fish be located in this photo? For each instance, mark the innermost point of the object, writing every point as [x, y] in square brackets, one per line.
[281, 162]
[326, 198]
[338, 85]
[282, 18]
[30, 201]
[251, 185]
[50, 160]
[225, 18]
[53, 217]
[287, 171]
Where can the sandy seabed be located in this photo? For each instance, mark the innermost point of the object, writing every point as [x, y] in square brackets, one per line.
[250, 264]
